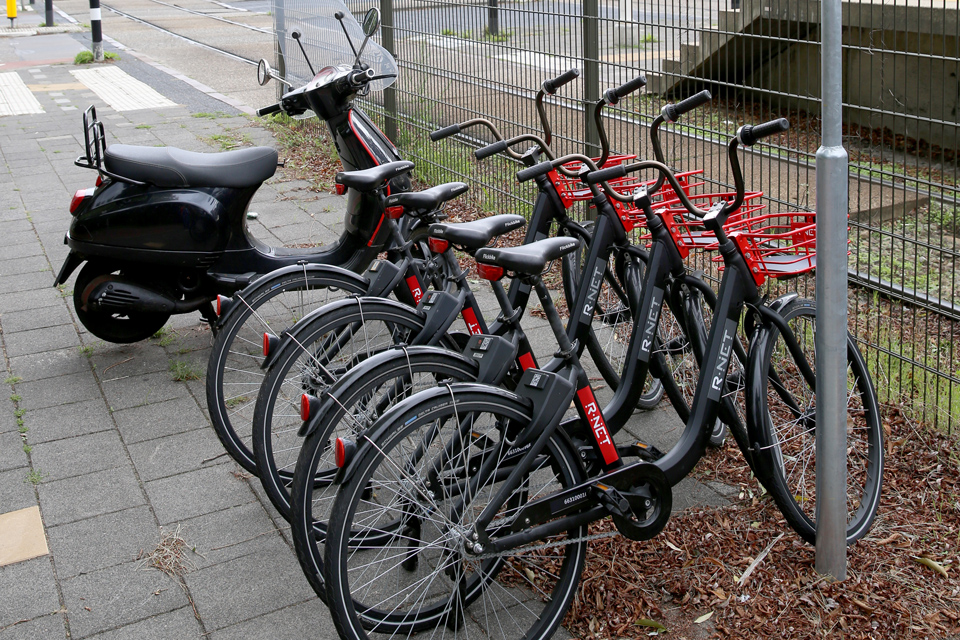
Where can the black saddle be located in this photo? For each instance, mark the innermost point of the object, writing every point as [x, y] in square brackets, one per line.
[172, 167]
[530, 259]
[428, 199]
[477, 233]
[375, 177]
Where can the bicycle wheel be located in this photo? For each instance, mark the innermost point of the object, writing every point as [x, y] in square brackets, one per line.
[326, 346]
[782, 419]
[397, 556]
[358, 401]
[608, 340]
[272, 303]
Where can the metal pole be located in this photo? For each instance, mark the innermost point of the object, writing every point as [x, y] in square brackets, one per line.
[48, 11]
[390, 93]
[96, 31]
[493, 18]
[280, 29]
[831, 338]
[591, 72]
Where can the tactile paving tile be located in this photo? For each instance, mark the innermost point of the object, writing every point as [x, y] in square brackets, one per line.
[21, 536]
[120, 90]
[15, 98]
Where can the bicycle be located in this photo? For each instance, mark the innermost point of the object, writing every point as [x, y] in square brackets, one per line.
[277, 300]
[488, 490]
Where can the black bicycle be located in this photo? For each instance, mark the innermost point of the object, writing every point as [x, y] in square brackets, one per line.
[466, 506]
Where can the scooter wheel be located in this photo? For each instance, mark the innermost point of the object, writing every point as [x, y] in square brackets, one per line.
[120, 328]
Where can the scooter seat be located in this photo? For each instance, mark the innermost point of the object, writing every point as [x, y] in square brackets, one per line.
[428, 199]
[172, 167]
[375, 177]
[476, 233]
[530, 259]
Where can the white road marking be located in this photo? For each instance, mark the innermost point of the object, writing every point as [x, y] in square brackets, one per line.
[120, 90]
[15, 98]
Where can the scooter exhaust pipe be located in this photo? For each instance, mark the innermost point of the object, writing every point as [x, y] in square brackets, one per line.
[110, 294]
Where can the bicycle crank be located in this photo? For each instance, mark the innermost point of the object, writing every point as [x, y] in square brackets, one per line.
[650, 501]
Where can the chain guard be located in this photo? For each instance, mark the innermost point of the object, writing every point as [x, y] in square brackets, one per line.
[651, 501]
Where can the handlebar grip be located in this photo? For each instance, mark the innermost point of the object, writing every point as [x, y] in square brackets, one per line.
[265, 111]
[625, 89]
[490, 149]
[550, 86]
[672, 112]
[445, 132]
[749, 135]
[603, 175]
[538, 169]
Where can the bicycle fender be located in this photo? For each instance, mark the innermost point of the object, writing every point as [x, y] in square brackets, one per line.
[293, 335]
[357, 282]
[782, 301]
[406, 412]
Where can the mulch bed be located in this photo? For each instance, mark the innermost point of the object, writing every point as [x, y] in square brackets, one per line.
[902, 578]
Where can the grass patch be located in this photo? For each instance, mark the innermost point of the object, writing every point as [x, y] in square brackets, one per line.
[183, 371]
[143, 126]
[165, 337]
[34, 477]
[233, 402]
[229, 142]
[15, 398]
[13, 379]
[211, 115]
[87, 350]
[86, 57]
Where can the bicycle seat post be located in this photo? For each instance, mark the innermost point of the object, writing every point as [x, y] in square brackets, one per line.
[567, 348]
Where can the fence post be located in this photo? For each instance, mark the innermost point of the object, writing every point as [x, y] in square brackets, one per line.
[96, 31]
[280, 31]
[48, 12]
[831, 334]
[390, 93]
[493, 18]
[591, 73]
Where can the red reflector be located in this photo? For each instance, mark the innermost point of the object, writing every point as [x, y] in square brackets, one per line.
[340, 189]
[77, 199]
[489, 271]
[266, 345]
[305, 407]
[99, 180]
[340, 453]
[394, 213]
[438, 245]
[219, 308]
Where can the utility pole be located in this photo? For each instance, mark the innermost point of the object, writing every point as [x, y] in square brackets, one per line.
[48, 12]
[831, 334]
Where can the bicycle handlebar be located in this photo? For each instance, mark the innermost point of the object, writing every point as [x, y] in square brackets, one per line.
[445, 132]
[613, 96]
[550, 87]
[491, 149]
[672, 112]
[265, 111]
[749, 135]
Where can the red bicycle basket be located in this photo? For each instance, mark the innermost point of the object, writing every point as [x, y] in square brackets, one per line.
[689, 232]
[777, 245]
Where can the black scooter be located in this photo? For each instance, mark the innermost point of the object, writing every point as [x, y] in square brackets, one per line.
[164, 230]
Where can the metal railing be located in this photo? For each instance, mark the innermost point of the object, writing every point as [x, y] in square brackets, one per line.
[760, 59]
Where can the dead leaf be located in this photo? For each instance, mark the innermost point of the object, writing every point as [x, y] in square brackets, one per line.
[933, 564]
[653, 624]
[703, 618]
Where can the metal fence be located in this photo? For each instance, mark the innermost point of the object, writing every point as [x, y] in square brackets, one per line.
[760, 59]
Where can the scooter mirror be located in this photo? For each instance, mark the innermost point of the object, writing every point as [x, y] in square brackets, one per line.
[371, 21]
[264, 72]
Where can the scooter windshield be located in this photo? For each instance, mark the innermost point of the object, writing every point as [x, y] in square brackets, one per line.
[324, 40]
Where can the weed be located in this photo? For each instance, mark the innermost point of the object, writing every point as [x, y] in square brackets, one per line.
[19, 412]
[165, 337]
[35, 476]
[13, 379]
[170, 555]
[447, 32]
[16, 398]
[87, 350]
[27, 448]
[211, 116]
[228, 142]
[23, 428]
[143, 126]
[110, 55]
[500, 36]
[183, 371]
[84, 57]
[232, 402]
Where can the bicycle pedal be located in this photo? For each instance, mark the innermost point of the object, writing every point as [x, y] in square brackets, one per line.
[642, 450]
[612, 499]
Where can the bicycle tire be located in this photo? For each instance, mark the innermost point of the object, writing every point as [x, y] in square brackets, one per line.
[358, 400]
[376, 324]
[785, 435]
[608, 339]
[484, 584]
[238, 352]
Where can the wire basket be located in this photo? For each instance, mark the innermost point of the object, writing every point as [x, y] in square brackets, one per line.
[776, 245]
[688, 231]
